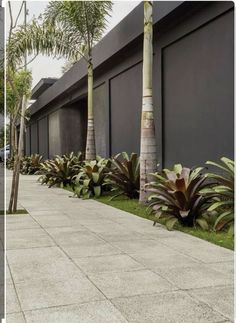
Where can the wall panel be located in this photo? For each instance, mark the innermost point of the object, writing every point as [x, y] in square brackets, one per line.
[198, 94]
[125, 110]
[43, 137]
[34, 138]
[54, 134]
[100, 120]
[27, 141]
[73, 125]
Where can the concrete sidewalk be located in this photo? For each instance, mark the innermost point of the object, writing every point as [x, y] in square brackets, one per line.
[75, 261]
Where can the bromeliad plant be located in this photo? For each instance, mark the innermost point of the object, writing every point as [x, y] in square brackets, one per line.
[176, 196]
[124, 176]
[91, 179]
[61, 170]
[221, 194]
[31, 164]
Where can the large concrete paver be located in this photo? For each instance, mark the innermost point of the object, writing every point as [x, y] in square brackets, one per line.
[91, 249]
[164, 260]
[80, 261]
[223, 267]
[219, 298]
[28, 238]
[12, 303]
[130, 283]
[68, 236]
[15, 222]
[57, 221]
[195, 276]
[40, 264]
[111, 263]
[199, 249]
[95, 312]
[16, 318]
[171, 307]
[48, 293]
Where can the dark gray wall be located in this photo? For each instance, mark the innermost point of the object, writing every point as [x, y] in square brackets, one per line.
[196, 61]
[73, 125]
[43, 137]
[100, 108]
[27, 141]
[125, 108]
[34, 138]
[54, 133]
[192, 92]
[198, 94]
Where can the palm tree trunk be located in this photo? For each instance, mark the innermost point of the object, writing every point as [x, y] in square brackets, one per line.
[90, 143]
[148, 141]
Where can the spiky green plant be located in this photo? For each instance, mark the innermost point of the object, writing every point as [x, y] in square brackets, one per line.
[221, 194]
[31, 164]
[61, 170]
[91, 178]
[176, 196]
[124, 176]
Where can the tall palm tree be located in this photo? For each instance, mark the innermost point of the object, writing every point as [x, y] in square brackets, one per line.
[148, 141]
[69, 29]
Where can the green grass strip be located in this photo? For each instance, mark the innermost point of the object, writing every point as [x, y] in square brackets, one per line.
[222, 239]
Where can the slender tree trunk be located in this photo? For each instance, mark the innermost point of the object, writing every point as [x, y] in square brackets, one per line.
[148, 141]
[19, 154]
[13, 152]
[11, 137]
[90, 143]
[15, 141]
[12, 131]
[10, 210]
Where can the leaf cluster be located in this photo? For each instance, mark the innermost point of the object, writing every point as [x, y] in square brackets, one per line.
[91, 179]
[221, 194]
[16, 88]
[67, 28]
[31, 164]
[61, 170]
[124, 176]
[175, 196]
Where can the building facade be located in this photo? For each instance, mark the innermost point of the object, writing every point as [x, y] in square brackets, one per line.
[193, 89]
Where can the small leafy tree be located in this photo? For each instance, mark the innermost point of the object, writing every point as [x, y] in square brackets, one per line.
[18, 89]
[17, 96]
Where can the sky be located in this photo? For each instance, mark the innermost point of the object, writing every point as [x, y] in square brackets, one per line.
[44, 66]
